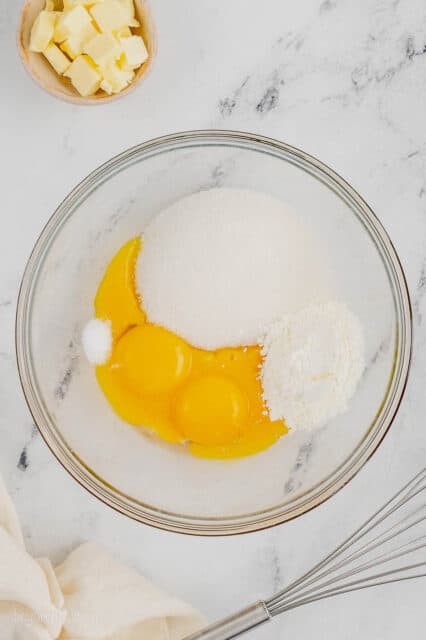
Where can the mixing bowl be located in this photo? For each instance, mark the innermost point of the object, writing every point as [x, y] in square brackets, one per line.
[160, 484]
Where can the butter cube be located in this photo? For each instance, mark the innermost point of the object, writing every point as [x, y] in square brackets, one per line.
[57, 59]
[107, 87]
[109, 15]
[124, 32]
[70, 4]
[84, 75]
[122, 64]
[75, 44]
[134, 51]
[71, 22]
[115, 79]
[103, 49]
[42, 31]
[129, 8]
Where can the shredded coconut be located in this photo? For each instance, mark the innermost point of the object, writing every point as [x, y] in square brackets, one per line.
[218, 266]
[313, 361]
[96, 339]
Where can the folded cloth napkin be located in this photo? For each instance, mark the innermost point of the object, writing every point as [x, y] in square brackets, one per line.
[90, 596]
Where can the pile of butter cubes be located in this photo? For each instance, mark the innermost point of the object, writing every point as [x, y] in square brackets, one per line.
[90, 42]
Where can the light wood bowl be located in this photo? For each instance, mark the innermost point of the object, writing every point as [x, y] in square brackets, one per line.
[47, 78]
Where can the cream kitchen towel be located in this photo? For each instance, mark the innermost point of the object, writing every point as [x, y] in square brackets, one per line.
[90, 596]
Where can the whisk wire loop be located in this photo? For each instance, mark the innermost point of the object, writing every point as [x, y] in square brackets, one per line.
[372, 556]
[380, 540]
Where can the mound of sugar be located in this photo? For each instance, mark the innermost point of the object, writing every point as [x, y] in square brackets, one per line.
[218, 266]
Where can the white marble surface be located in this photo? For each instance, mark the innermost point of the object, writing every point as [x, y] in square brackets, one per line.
[346, 82]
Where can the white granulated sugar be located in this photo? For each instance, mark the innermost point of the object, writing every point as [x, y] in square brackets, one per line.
[96, 339]
[218, 266]
[313, 361]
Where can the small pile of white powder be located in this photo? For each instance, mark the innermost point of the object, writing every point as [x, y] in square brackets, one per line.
[218, 266]
[313, 363]
[96, 339]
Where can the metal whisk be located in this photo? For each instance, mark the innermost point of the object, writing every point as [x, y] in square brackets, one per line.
[389, 547]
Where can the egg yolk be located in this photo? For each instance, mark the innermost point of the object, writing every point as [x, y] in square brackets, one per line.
[211, 401]
[211, 410]
[152, 360]
[116, 299]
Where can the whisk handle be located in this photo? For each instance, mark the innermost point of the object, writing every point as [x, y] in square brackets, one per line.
[234, 625]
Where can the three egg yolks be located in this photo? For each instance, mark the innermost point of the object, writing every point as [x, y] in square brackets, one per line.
[211, 400]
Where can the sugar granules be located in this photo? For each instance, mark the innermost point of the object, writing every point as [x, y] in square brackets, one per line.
[218, 266]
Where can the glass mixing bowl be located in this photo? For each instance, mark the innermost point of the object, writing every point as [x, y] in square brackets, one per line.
[160, 484]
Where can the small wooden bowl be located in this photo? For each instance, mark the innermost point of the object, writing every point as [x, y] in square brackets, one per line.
[47, 78]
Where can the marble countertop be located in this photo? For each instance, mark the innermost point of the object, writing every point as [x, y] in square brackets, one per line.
[344, 81]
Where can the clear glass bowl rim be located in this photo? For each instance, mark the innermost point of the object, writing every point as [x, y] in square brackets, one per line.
[210, 526]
